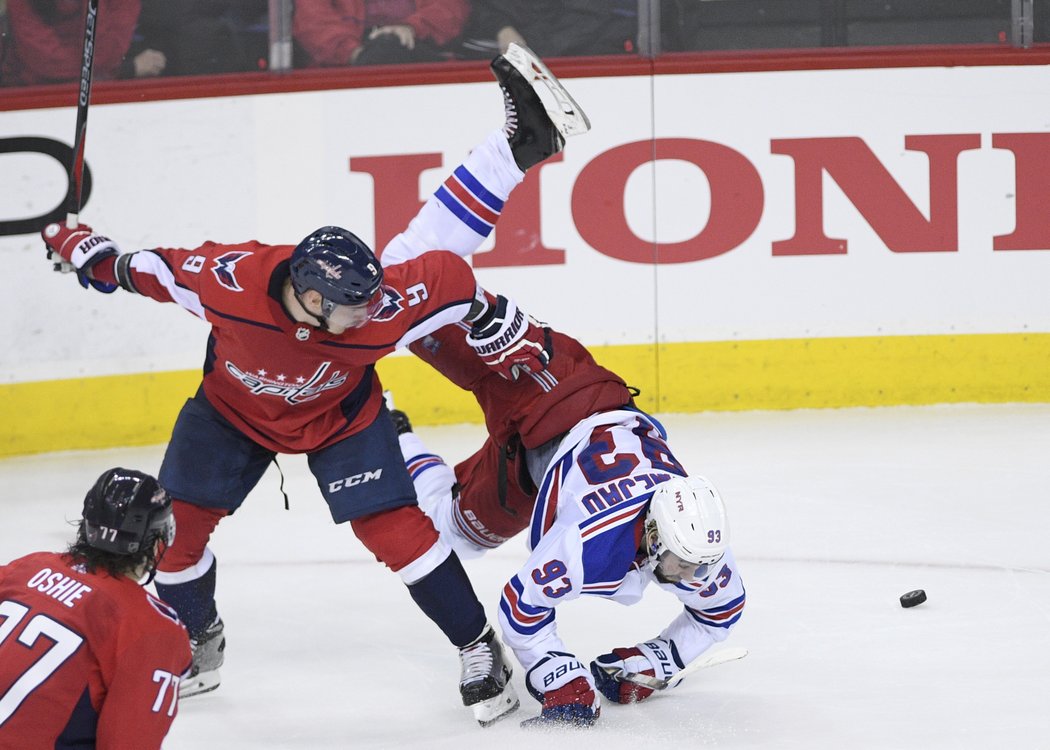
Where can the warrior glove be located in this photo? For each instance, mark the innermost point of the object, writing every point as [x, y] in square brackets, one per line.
[509, 341]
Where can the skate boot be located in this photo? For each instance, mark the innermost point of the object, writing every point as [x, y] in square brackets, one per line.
[207, 658]
[534, 130]
[485, 680]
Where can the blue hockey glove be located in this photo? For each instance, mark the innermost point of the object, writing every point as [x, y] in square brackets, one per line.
[657, 658]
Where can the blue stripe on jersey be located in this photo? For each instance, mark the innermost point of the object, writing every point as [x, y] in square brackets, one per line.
[462, 213]
[599, 518]
[649, 418]
[547, 495]
[725, 607]
[723, 616]
[524, 618]
[471, 183]
[528, 609]
[418, 464]
[604, 588]
[227, 316]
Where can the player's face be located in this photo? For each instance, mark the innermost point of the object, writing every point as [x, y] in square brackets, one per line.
[670, 568]
[344, 317]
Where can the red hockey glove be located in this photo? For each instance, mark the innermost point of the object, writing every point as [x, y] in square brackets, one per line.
[509, 341]
[561, 683]
[79, 249]
[658, 659]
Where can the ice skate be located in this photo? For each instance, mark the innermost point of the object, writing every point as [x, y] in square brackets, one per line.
[207, 658]
[534, 130]
[485, 680]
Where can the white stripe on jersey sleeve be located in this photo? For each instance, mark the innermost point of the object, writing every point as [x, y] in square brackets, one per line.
[145, 262]
[448, 316]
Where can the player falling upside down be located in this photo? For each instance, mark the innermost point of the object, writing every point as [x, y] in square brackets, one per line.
[295, 333]
[603, 472]
[87, 657]
[615, 512]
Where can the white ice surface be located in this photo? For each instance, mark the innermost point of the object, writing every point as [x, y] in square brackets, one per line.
[835, 514]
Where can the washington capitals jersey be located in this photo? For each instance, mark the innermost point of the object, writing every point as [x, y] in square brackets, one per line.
[86, 659]
[288, 386]
[538, 406]
[585, 535]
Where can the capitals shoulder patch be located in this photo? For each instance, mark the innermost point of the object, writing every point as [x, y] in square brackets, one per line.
[225, 268]
[392, 304]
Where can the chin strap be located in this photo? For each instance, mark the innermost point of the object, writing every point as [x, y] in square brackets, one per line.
[322, 322]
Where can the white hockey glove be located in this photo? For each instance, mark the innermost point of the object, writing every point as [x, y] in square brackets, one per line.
[561, 683]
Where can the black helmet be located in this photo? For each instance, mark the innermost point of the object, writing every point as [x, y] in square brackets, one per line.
[125, 512]
[337, 264]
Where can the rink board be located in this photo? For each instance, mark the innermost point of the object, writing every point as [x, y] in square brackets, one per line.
[876, 237]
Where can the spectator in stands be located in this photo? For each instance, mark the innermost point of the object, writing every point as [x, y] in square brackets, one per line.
[552, 28]
[375, 32]
[203, 37]
[45, 41]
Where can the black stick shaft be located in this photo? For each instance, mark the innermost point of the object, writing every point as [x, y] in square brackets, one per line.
[76, 168]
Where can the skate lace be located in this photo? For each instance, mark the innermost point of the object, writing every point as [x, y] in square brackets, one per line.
[476, 662]
[510, 125]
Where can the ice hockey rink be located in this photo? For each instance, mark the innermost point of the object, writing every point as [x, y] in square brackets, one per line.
[835, 514]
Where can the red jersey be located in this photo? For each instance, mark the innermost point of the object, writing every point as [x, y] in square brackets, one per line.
[290, 387]
[537, 407]
[330, 30]
[46, 40]
[86, 659]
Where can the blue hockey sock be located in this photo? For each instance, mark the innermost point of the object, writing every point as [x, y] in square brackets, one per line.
[447, 598]
[194, 600]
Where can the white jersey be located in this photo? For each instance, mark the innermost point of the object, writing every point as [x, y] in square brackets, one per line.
[463, 211]
[585, 535]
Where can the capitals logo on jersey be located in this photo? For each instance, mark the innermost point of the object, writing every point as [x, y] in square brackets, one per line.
[390, 306]
[225, 266]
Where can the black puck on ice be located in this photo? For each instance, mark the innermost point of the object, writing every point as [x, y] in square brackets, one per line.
[913, 598]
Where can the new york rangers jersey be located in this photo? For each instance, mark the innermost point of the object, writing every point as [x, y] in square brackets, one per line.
[86, 659]
[585, 535]
[288, 386]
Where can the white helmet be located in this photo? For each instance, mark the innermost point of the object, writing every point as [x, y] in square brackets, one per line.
[688, 518]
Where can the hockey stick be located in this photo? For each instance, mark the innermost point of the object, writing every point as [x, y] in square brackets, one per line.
[710, 660]
[76, 166]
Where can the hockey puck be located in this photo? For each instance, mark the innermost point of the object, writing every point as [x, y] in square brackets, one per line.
[913, 598]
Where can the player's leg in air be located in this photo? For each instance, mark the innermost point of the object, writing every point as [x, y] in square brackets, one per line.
[462, 212]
